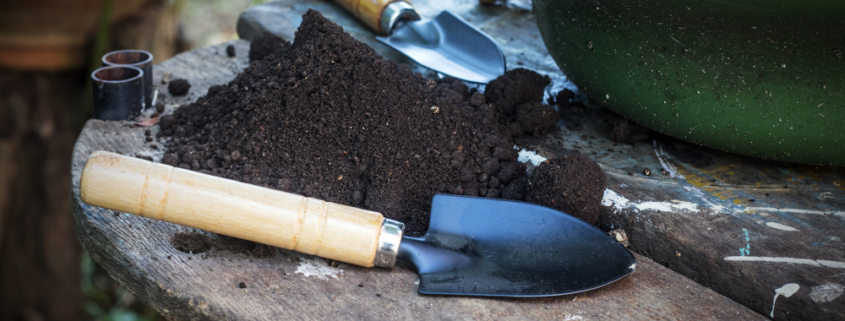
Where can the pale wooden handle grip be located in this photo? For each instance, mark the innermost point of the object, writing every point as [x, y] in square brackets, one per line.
[368, 11]
[223, 206]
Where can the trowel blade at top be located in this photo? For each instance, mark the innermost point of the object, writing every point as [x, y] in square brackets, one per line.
[451, 46]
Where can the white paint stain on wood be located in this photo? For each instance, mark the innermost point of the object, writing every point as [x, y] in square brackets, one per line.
[612, 198]
[752, 209]
[780, 226]
[791, 260]
[787, 290]
[826, 292]
[530, 156]
[619, 202]
[317, 267]
[707, 199]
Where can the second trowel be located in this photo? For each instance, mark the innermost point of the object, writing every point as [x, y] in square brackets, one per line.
[446, 44]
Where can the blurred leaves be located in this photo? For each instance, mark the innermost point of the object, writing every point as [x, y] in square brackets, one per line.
[105, 300]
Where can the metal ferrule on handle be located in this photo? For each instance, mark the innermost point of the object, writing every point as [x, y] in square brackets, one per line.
[393, 13]
[245, 211]
[388, 243]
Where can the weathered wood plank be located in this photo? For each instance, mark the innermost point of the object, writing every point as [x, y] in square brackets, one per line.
[290, 286]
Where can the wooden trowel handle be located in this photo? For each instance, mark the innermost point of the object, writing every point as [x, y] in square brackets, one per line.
[223, 206]
[373, 14]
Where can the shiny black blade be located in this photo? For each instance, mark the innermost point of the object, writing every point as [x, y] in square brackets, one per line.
[486, 247]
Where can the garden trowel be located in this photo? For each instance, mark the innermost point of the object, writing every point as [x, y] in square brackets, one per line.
[474, 246]
[446, 44]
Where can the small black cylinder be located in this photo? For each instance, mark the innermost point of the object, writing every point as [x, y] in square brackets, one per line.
[135, 58]
[118, 92]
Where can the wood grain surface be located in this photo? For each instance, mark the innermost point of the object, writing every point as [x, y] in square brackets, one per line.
[222, 284]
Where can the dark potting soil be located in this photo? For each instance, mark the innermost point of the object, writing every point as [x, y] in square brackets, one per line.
[178, 87]
[572, 183]
[265, 44]
[327, 117]
[624, 131]
[534, 117]
[564, 96]
[620, 132]
[245, 247]
[514, 88]
[190, 242]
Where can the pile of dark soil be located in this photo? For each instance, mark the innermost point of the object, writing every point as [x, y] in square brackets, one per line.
[327, 117]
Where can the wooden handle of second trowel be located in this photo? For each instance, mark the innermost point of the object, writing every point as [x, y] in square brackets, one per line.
[368, 11]
[231, 208]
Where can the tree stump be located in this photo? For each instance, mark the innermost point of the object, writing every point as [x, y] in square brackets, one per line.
[225, 282]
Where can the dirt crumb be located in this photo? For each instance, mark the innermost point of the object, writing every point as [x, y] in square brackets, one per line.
[564, 97]
[190, 242]
[572, 183]
[624, 131]
[620, 132]
[265, 44]
[178, 87]
[230, 51]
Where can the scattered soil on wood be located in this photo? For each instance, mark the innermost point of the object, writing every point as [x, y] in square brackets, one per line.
[327, 117]
[245, 247]
[190, 242]
[265, 44]
[230, 51]
[624, 131]
[178, 87]
[573, 184]
[620, 132]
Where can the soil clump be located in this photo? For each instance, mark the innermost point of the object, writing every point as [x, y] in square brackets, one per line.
[624, 131]
[178, 87]
[327, 117]
[572, 183]
[514, 88]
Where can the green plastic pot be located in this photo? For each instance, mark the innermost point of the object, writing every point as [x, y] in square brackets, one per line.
[753, 77]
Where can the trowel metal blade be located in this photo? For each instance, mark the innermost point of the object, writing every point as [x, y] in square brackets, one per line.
[449, 45]
[485, 247]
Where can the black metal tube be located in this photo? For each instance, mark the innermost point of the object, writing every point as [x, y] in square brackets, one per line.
[135, 58]
[118, 92]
